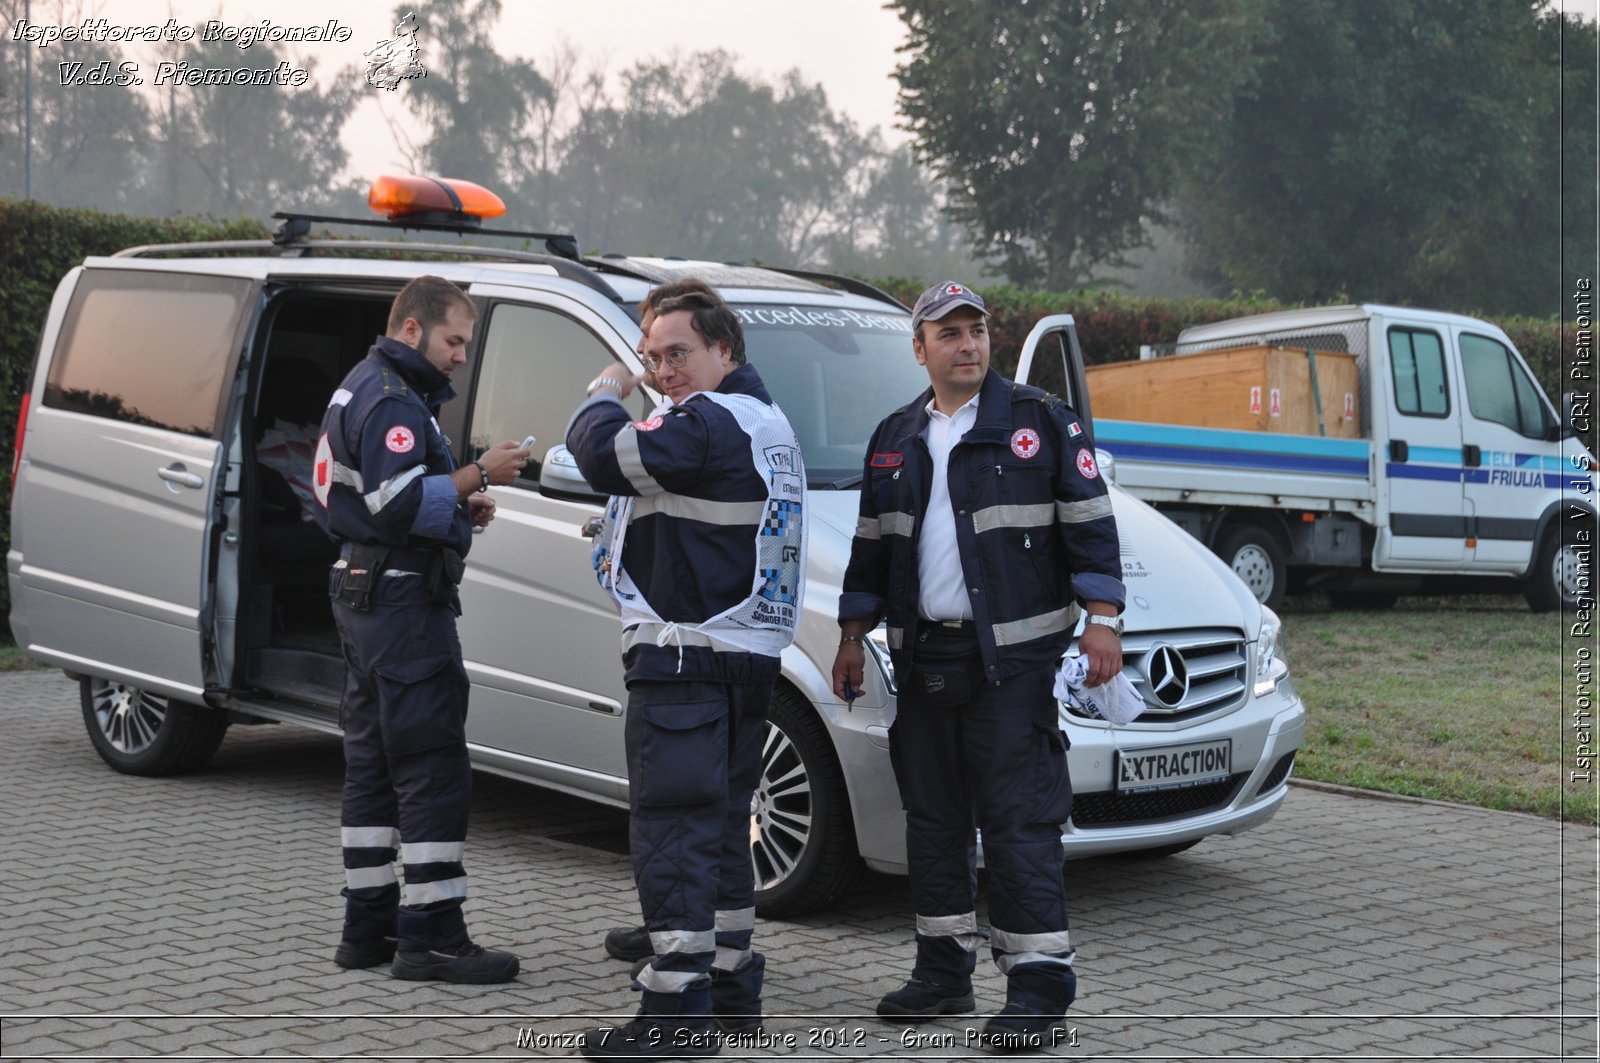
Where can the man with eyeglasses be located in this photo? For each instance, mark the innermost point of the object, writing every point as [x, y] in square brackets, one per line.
[709, 503]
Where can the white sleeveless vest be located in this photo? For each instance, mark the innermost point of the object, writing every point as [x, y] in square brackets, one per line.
[766, 620]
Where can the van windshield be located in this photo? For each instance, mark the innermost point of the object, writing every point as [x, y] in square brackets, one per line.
[836, 374]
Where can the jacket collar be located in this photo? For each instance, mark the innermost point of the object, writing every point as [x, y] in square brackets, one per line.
[414, 369]
[744, 380]
[994, 411]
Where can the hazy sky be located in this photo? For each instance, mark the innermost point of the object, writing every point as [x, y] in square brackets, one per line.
[846, 45]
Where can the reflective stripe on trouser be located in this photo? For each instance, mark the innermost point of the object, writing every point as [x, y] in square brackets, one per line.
[694, 757]
[404, 716]
[1002, 756]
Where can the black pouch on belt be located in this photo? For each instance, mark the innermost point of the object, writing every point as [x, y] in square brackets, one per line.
[946, 665]
[363, 565]
[444, 575]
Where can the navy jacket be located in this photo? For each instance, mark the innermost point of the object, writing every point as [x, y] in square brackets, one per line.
[1034, 526]
[383, 464]
[692, 555]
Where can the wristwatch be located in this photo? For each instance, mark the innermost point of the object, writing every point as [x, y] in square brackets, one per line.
[604, 382]
[1112, 622]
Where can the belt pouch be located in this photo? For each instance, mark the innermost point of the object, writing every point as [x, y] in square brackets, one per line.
[363, 564]
[945, 668]
[444, 574]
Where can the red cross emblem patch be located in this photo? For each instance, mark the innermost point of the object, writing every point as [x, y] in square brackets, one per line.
[648, 426]
[1086, 465]
[1024, 442]
[400, 439]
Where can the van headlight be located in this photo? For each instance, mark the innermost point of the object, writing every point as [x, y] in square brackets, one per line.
[1270, 665]
[878, 645]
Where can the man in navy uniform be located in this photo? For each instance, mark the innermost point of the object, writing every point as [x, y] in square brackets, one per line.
[702, 548]
[392, 496]
[984, 524]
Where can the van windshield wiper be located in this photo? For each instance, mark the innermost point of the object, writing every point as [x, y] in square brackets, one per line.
[842, 484]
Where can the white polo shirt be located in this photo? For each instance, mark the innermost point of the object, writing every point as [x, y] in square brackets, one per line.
[942, 585]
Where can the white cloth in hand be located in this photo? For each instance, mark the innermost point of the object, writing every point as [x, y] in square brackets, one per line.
[1116, 702]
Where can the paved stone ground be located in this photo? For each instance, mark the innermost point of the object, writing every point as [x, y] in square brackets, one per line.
[196, 917]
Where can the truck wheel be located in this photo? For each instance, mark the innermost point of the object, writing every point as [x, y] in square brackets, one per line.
[139, 733]
[1558, 577]
[802, 838]
[1255, 557]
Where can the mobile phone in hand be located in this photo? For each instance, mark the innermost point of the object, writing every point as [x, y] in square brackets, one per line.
[527, 442]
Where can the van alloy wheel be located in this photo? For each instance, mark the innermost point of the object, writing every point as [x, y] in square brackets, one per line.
[140, 733]
[802, 838]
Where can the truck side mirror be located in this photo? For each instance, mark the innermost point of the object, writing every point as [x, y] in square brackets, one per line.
[560, 478]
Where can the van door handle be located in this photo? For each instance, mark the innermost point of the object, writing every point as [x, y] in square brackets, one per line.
[1398, 451]
[177, 474]
[1472, 455]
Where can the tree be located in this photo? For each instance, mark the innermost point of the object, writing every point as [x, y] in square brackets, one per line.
[478, 103]
[1058, 125]
[86, 138]
[229, 151]
[1398, 152]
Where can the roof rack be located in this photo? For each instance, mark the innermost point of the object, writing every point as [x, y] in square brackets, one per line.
[586, 272]
[295, 226]
[849, 284]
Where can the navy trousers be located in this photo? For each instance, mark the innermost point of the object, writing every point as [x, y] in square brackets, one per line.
[694, 758]
[408, 781]
[996, 763]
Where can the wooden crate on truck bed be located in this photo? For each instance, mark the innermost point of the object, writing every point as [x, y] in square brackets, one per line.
[1256, 388]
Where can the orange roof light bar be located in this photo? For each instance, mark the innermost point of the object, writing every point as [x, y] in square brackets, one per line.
[433, 199]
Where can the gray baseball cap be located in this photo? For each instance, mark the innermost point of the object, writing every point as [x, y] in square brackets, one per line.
[942, 298]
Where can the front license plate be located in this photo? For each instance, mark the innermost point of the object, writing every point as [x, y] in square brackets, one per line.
[1169, 767]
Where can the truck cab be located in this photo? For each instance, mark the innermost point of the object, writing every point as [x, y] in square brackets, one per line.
[1462, 466]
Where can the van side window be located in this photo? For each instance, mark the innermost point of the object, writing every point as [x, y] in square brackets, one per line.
[536, 364]
[1498, 388]
[1416, 360]
[149, 348]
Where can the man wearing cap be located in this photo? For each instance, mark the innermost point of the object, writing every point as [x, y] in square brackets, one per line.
[984, 525]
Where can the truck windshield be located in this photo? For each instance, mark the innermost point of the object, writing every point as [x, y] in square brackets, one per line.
[836, 374]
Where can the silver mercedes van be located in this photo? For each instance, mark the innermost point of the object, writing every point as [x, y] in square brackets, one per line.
[161, 550]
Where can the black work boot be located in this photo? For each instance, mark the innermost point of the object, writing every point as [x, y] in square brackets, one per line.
[923, 1000]
[668, 1026]
[355, 954]
[736, 998]
[1021, 1027]
[629, 943]
[467, 964]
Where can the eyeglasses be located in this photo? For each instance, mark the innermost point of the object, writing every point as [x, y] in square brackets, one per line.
[675, 359]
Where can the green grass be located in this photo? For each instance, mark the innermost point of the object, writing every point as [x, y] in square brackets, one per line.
[1455, 699]
[14, 660]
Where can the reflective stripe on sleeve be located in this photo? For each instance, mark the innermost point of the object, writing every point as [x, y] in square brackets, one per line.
[868, 528]
[1085, 510]
[1036, 516]
[1032, 627]
[631, 463]
[391, 487]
